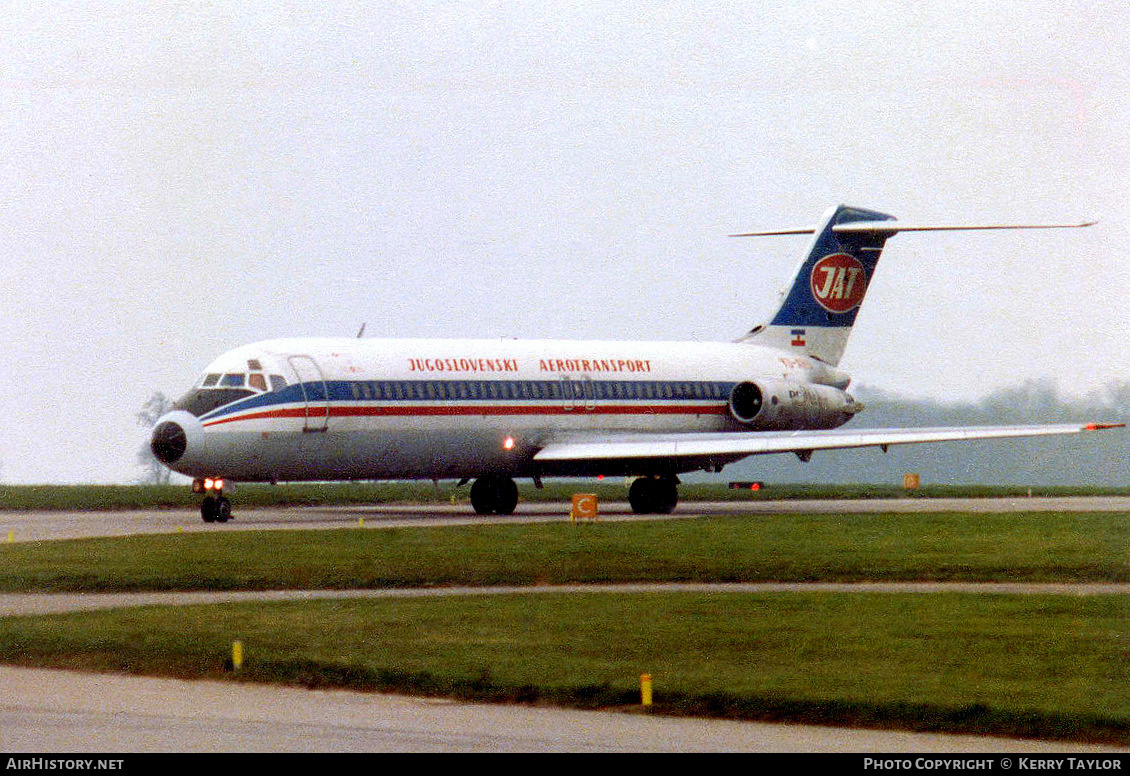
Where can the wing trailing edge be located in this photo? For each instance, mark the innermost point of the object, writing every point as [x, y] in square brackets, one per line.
[609, 447]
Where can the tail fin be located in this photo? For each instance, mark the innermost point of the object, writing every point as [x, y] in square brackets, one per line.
[818, 310]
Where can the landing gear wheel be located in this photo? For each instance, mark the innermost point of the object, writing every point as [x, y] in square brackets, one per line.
[223, 510]
[482, 495]
[637, 496]
[666, 495]
[654, 495]
[505, 496]
[494, 494]
[215, 509]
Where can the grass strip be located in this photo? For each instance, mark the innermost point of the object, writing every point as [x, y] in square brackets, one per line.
[1050, 667]
[1024, 547]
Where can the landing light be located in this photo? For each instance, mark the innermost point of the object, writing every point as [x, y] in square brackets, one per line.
[508, 444]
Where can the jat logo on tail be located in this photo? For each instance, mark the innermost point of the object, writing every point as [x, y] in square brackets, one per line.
[838, 282]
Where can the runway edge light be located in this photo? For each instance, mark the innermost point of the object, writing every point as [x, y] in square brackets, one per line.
[757, 485]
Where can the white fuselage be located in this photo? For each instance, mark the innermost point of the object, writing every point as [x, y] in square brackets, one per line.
[438, 409]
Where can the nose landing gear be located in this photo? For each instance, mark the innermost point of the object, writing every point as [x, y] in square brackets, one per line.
[216, 508]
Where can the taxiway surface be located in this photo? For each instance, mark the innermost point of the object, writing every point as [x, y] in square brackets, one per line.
[46, 525]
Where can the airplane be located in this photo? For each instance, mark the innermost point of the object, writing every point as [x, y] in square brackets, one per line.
[492, 410]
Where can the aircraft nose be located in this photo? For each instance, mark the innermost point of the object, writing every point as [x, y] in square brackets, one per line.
[169, 442]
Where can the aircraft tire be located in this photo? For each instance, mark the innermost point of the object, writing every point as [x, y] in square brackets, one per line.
[639, 496]
[653, 496]
[494, 494]
[506, 496]
[665, 495]
[482, 495]
[208, 509]
[223, 510]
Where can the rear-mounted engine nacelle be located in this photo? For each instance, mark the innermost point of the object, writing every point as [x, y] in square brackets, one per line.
[785, 405]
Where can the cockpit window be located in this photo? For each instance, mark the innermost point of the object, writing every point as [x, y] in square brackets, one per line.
[278, 382]
[201, 401]
[218, 389]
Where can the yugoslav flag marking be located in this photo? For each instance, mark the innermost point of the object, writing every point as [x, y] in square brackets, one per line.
[838, 282]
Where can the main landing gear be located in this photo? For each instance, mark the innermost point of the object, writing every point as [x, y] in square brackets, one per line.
[494, 494]
[654, 495]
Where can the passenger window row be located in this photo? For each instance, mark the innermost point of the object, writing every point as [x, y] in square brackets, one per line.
[478, 390]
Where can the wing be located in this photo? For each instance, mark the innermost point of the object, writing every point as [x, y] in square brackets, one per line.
[729, 447]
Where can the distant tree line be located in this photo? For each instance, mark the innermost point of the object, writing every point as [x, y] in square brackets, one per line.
[153, 471]
[1102, 458]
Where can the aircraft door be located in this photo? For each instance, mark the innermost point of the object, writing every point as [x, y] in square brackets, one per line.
[567, 398]
[588, 393]
[578, 393]
[315, 393]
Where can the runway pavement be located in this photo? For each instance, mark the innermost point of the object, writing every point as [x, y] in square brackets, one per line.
[44, 525]
[64, 711]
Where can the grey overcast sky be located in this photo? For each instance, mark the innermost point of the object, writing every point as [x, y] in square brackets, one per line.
[179, 178]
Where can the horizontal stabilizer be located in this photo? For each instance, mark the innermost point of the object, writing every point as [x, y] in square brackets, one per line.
[894, 227]
[819, 306]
